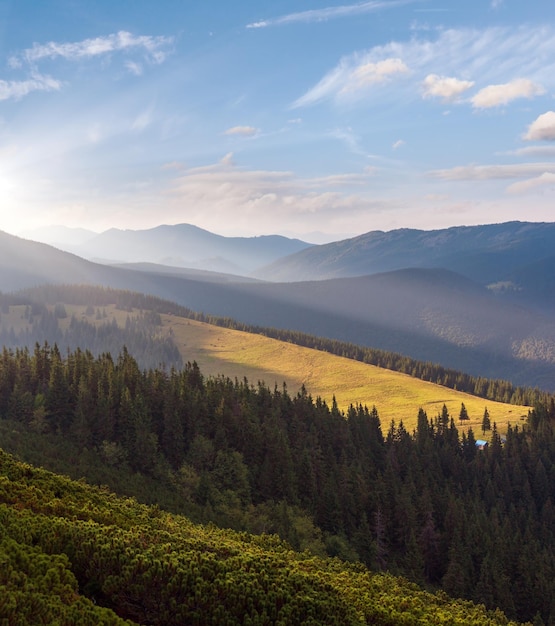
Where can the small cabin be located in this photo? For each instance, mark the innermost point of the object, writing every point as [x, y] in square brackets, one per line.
[481, 444]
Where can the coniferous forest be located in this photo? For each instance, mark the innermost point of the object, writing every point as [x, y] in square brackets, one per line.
[72, 554]
[93, 332]
[427, 505]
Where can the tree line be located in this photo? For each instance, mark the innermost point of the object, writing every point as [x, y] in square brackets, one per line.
[142, 334]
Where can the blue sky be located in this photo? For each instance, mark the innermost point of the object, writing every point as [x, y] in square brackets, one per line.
[299, 117]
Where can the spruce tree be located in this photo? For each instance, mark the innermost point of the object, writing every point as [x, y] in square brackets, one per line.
[463, 415]
[486, 422]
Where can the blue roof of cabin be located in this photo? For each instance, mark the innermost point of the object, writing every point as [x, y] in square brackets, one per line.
[481, 442]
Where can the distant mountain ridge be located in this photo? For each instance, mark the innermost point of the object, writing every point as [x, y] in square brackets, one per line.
[486, 254]
[179, 245]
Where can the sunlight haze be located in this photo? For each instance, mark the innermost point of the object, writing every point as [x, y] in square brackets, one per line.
[310, 119]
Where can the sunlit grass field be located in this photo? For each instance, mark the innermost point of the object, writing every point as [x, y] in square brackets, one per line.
[396, 396]
[236, 354]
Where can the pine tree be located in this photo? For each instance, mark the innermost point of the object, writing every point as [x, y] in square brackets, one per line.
[58, 401]
[486, 422]
[463, 414]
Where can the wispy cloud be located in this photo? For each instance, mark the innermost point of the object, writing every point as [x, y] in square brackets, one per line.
[339, 180]
[547, 179]
[503, 63]
[398, 144]
[536, 151]
[156, 48]
[352, 80]
[266, 197]
[493, 172]
[348, 137]
[447, 88]
[329, 13]
[142, 121]
[242, 131]
[134, 68]
[18, 89]
[542, 129]
[371, 73]
[498, 95]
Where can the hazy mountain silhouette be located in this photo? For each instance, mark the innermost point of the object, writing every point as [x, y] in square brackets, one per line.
[180, 245]
[62, 237]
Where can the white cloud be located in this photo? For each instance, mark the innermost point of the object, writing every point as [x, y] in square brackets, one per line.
[444, 87]
[18, 89]
[547, 179]
[498, 95]
[328, 13]
[489, 57]
[492, 172]
[243, 131]
[542, 128]
[398, 144]
[155, 47]
[371, 73]
[349, 79]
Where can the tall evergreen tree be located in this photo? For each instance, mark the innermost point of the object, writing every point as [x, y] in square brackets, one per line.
[486, 422]
[463, 413]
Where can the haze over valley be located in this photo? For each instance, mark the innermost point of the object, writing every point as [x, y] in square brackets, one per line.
[468, 298]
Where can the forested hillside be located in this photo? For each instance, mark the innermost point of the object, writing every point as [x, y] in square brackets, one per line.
[428, 504]
[72, 554]
[26, 321]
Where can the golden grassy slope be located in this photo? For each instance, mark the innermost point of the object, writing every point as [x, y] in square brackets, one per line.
[396, 396]
[238, 354]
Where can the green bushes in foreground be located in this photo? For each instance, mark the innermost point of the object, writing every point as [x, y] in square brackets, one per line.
[74, 554]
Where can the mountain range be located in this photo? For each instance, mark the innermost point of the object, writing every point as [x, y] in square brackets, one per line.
[180, 245]
[514, 257]
[431, 314]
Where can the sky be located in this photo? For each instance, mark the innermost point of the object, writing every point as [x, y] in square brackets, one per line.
[305, 118]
